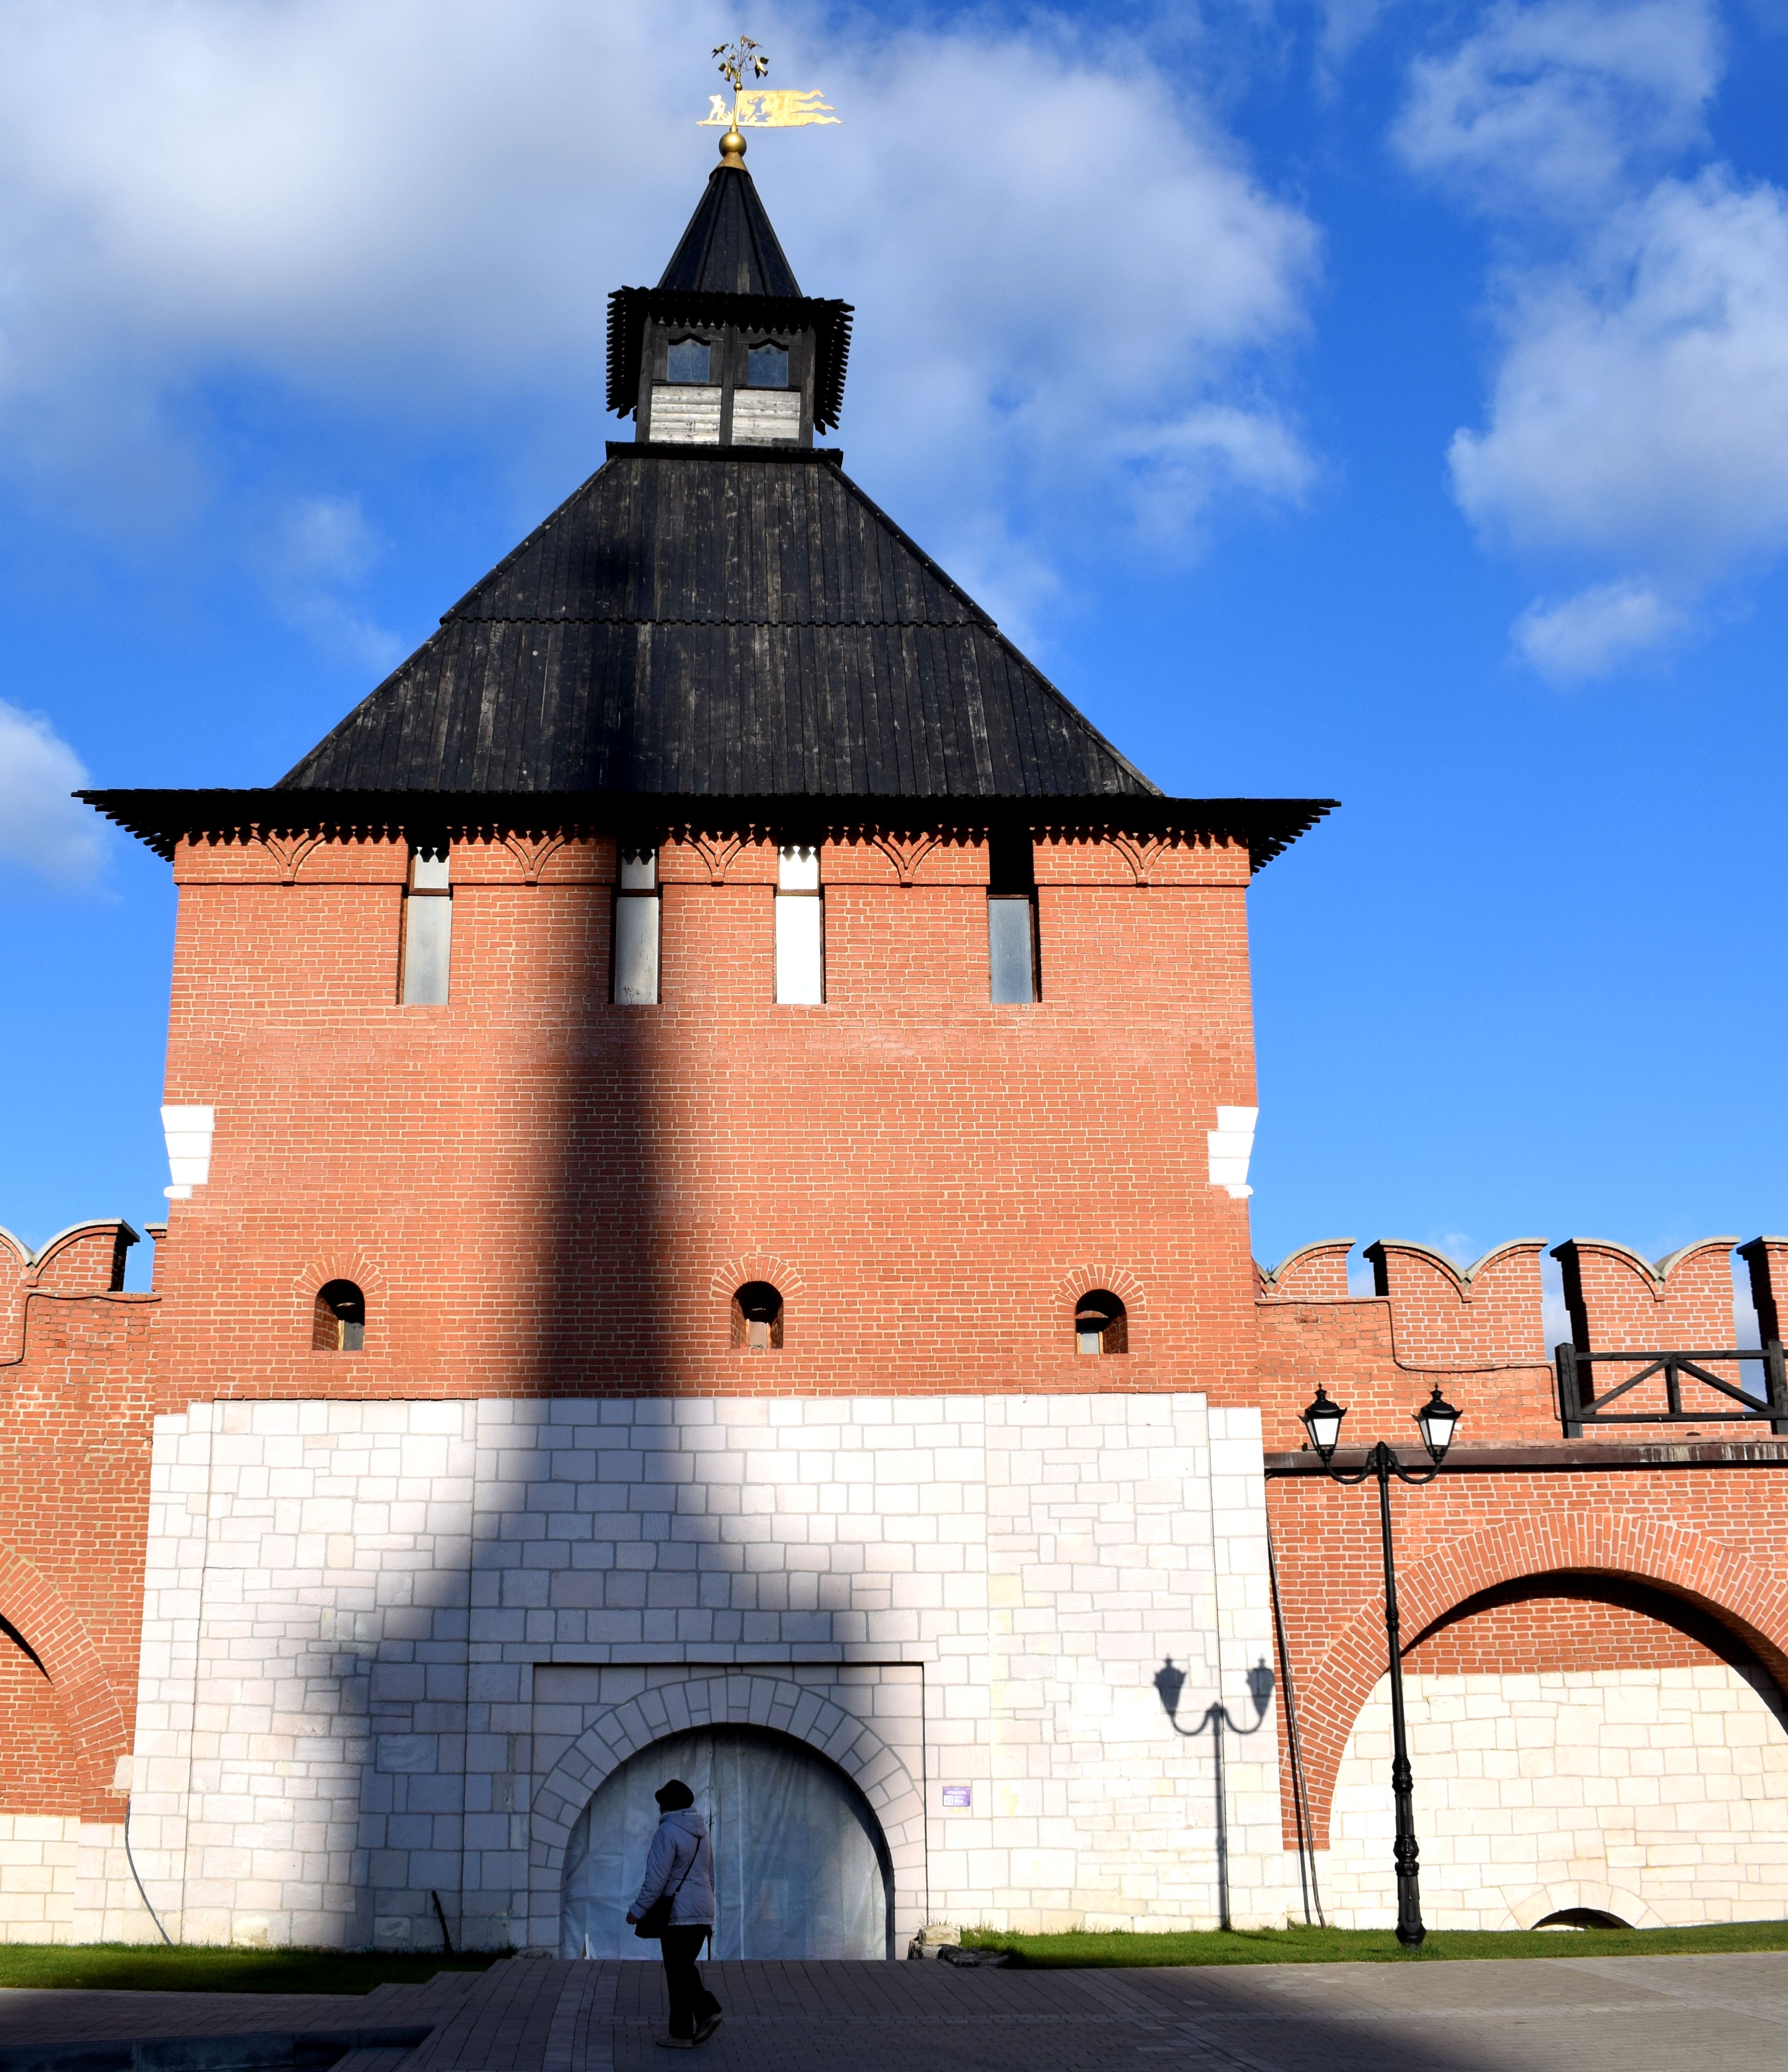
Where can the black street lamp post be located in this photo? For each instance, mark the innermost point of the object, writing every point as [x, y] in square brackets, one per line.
[1434, 1421]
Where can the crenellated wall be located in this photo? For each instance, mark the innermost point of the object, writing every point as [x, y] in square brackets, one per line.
[1595, 1631]
[77, 1389]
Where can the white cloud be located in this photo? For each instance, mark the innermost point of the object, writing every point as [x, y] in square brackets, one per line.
[323, 538]
[1594, 632]
[1637, 440]
[41, 827]
[412, 211]
[312, 550]
[1641, 411]
[1555, 104]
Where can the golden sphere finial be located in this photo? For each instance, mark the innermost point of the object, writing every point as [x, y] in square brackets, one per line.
[732, 150]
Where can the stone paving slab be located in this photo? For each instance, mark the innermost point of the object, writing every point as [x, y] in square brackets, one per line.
[1633, 2014]
[32, 2014]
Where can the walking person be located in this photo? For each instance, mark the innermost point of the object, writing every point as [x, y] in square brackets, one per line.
[676, 1905]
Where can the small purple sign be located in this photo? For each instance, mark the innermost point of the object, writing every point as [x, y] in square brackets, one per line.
[959, 1794]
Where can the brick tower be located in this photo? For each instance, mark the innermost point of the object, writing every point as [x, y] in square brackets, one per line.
[709, 1123]
[715, 1109]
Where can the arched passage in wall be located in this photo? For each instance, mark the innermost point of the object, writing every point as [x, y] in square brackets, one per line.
[37, 1760]
[80, 1694]
[800, 1863]
[730, 1698]
[1748, 1599]
[1583, 1737]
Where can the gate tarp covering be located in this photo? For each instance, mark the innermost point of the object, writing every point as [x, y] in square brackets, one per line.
[799, 1865]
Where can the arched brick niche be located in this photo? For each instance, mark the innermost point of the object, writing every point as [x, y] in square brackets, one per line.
[66, 1659]
[1610, 1718]
[728, 1697]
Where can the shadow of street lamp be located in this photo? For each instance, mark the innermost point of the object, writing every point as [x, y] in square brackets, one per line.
[1170, 1682]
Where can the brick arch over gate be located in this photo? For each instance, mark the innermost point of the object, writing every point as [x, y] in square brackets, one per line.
[738, 1698]
[78, 1680]
[1685, 1563]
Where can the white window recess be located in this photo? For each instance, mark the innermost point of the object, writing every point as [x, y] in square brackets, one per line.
[427, 933]
[800, 930]
[1231, 1147]
[636, 912]
[188, 1131]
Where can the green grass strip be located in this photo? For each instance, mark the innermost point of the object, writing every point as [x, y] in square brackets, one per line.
[1374, 1946]
[197, 1968]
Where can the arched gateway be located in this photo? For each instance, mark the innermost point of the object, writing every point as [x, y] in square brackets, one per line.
[801, 1866]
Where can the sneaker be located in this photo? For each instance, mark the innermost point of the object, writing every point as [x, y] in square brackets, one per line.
[708, 2029]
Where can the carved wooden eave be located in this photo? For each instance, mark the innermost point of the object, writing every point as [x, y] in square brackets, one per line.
[292, 823]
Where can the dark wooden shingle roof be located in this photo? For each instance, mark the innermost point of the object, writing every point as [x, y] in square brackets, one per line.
[719, 623]
[715, 636]
[729, 247]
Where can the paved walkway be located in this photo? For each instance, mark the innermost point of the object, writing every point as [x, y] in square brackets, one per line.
[1609, 2014]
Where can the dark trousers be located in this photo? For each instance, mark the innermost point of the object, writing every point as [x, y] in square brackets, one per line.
[690, 2001]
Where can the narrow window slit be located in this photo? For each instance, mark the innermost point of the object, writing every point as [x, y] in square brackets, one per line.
[1102, 1324]
[757, 1318]
[338, 1323]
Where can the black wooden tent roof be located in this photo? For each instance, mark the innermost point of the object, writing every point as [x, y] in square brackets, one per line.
[710, 621]
[701, 625]
[715, 633]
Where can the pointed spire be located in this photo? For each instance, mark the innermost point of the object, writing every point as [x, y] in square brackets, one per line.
[729, 248]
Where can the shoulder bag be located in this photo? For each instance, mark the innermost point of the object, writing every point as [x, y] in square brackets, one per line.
[651, 1924]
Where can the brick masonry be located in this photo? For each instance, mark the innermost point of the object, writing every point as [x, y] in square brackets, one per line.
[293, 1607]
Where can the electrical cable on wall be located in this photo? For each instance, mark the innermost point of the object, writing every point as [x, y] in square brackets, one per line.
[1301, 1798]
[137, 1875]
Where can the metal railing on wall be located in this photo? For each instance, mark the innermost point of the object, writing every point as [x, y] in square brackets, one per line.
[1580, 1405]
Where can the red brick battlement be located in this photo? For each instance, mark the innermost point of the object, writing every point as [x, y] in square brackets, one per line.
[77, 1403]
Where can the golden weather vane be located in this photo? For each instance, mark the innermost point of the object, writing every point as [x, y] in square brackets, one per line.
[755, 107]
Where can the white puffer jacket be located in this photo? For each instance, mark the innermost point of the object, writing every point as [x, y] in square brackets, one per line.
[680, 1850]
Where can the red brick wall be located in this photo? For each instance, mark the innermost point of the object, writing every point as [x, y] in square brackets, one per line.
[77, 1389]
[1558, 1624]
[37, 1766]
[542, 1193]
[1714, 1537]
[1617, 1298]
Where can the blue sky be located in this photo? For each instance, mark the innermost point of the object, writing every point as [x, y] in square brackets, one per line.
[1382, 401]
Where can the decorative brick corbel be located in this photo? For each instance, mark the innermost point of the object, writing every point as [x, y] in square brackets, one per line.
[531, 852]
[717, 852]
[905, 853]
[288, 852]
[1139, 851]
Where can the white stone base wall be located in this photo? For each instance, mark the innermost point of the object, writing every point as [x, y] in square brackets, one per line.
[39, 1857]
[65, 1880]
[1657, 1795]
[390, 1650]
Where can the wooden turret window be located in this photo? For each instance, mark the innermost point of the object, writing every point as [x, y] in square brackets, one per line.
[1101, 1323]
[767, 367]
[637, 929]
[690, 360]
[427, 928]
[339, 1322]
[757, 1318]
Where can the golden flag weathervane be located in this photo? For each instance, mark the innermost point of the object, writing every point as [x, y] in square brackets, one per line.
[754, 107]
